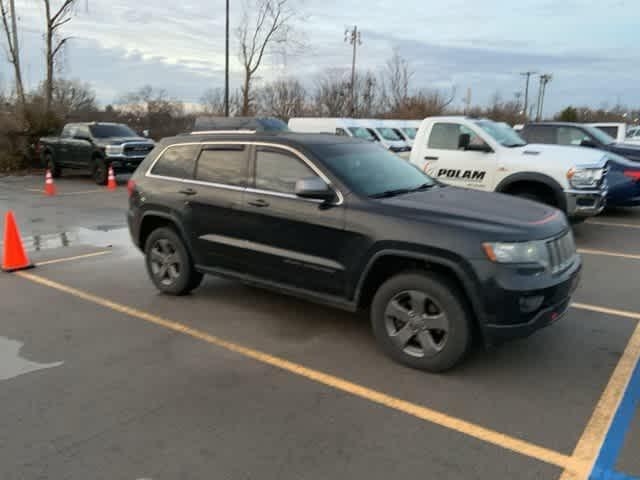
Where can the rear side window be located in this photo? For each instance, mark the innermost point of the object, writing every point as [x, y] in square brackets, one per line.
[68, 131]
[176, 162]
[226, 165]
[446, 136]
[571, 136]
[539, 134]
[278, 170]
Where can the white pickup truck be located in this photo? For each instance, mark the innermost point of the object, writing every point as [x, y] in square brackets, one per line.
[486, 155]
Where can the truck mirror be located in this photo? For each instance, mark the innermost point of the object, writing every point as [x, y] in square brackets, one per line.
[588, 143]
[463, 141]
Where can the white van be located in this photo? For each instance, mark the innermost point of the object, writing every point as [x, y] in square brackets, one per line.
[387, 137]
[335, 126]
[407, 129]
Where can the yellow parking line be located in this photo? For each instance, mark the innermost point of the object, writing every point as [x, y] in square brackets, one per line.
[590, 443]
[588, 251]
[607, 311]
[467, 428]
[613, 224]
[70, 259]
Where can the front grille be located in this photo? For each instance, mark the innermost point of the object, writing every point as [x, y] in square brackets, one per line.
[137, 149]
[562, 252]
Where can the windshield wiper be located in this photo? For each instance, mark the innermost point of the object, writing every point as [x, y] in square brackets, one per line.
[402, 191]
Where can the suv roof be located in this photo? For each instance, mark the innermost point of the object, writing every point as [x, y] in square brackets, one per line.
[286, 138]
[260, 124]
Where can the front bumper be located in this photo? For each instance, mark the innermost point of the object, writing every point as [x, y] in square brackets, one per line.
[506, 319]
[124, 163]
[585, 203]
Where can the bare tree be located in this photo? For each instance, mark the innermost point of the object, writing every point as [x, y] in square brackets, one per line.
[332, 96]
[10, 27]
[53, 43]
[72, 97]
[284, 98]
[213, 101]
[270, 24]
[397, 78]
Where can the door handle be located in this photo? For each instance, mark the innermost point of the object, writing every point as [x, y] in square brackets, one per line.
[188, 191]
[431, 158]
[260, 203]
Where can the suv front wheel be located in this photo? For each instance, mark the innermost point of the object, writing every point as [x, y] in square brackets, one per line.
[421, 321]
[169, 264]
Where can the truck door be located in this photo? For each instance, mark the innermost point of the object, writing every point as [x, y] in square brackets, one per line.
[82, 146]
[457, 155]
[64, 151]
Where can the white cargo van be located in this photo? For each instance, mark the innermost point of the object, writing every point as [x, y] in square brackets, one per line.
[386, 136]
[407, 129]
[335, 126]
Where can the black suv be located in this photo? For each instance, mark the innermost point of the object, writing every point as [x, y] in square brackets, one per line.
[344, 222]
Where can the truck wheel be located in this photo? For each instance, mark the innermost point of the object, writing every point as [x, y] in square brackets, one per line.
[50, 165]
[169, 264]
[99, 171]
[420, 320]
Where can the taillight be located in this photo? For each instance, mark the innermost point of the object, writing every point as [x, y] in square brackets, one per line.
[131, 186]
[635, 174]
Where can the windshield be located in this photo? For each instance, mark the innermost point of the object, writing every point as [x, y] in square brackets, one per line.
[110, 131]
[370, 170]
[599, 135]
[501, 133]
[410, 132]
[360, 132]
[389, 134]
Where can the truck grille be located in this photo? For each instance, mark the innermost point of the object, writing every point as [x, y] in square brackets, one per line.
[137, 149]
[562, 252]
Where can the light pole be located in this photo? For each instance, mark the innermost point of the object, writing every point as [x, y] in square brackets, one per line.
[544, 79]
[226, 64]
[353, 36]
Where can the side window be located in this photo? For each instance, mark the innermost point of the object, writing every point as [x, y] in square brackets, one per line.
[539, 134]
[176, 162]
[446, 136]
[66, 131]
[341, 132]
[278, 171]
[83, 131]
[571, 136]
[224, 164]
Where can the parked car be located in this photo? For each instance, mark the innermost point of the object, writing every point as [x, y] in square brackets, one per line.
[633, 135]
[343, 222]
[405, 129]
[624, 173]
[386, 136]
[617, 131]
[94, 146]
[485, 155]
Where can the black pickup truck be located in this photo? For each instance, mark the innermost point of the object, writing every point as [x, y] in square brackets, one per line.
[94, 146]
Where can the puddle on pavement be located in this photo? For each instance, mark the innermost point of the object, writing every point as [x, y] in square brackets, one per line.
[13, 365]
[103, 236]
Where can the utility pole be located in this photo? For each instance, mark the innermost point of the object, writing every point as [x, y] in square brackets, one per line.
[354, 38]
[527, 75]
[467, 102]
[544, 79]
[226, 65]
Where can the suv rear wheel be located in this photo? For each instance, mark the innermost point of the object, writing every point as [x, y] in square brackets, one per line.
[99, 171]
[169, 264]
[421, 321]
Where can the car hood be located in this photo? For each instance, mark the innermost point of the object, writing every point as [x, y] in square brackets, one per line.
[582, 155]
[511, 218]
[631, 152]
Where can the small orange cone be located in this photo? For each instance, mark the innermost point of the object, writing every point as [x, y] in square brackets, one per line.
[111, 183]
[49, 186]
[14, 257]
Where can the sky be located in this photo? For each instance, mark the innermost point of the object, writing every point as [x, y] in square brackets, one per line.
[589, 46]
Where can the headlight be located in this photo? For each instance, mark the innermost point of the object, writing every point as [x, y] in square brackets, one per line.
[585, 177]
[521, 252]
[113, 150]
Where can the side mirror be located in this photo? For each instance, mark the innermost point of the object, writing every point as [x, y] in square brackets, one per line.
[479, 148]
[464, 140]
[588, 143]
[314, 188]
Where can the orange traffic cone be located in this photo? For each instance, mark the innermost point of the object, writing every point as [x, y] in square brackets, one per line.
[111, 183]
[14, 257]
[49, 186]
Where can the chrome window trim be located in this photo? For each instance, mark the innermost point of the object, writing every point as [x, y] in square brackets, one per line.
[219, 132]
[297, 153]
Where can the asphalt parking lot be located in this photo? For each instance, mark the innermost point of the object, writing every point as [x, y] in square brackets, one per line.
[102, 377]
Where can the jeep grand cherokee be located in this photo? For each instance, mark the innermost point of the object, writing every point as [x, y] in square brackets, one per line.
[343, 222]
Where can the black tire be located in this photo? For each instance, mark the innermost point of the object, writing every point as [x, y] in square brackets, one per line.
[169, 264]
[51, 165]
[100, 171]
[442, 306]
